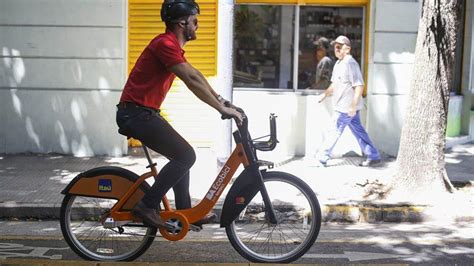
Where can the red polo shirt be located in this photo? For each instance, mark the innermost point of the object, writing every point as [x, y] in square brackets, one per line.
[150, 80]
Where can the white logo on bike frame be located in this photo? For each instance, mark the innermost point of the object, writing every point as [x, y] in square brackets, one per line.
[217, 187]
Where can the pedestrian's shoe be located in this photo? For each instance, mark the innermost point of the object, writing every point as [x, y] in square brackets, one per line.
[370, 162]
[148, 215]
[323, 161]
[209, 218]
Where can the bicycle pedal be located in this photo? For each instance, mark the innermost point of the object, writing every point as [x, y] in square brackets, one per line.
[194, 228]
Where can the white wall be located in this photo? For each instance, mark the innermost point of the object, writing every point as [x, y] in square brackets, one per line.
[393, 33]
[224, 73]
[62, 69]
[285, 45]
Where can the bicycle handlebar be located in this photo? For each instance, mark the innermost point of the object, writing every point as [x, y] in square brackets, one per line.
[268, 145]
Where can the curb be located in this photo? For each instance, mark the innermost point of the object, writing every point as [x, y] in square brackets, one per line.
[10, 210]
[347, 213]
[371, 213]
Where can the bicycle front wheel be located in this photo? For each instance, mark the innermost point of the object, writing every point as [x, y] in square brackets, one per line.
[82, 229]
[299, 221]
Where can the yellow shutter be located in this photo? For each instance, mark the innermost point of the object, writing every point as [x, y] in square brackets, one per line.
[144, 23]
[190, 117]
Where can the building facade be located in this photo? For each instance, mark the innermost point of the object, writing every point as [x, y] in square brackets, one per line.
[64, 64]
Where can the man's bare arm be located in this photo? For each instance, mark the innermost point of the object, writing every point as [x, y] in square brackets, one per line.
[326, 93]
[198, 84]
[357, 94]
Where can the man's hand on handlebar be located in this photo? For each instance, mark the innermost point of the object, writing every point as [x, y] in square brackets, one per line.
[231, 105]
[229, 112]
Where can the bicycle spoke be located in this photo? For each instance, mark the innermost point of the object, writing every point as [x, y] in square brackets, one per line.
[259, 230]
[296, 230]
[266, 240]
[282, 235]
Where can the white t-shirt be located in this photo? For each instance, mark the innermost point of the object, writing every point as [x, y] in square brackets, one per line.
[345, 76]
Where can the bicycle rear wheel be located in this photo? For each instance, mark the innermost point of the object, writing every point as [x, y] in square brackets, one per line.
[299, 221]
[81, 224]
[85, 234]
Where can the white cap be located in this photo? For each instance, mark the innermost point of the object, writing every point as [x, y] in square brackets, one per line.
[342, 40]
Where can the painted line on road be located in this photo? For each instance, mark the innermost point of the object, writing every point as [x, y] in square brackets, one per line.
[13, 250]
[355, 256]
[19, 237]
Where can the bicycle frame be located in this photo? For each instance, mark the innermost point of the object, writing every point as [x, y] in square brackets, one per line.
[242, 191]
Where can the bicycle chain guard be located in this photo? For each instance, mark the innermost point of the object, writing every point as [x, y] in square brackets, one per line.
[179, 224]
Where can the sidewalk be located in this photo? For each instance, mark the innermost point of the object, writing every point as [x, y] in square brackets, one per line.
[31, 184]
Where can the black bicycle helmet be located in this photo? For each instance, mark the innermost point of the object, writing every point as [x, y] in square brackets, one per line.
[171, 10]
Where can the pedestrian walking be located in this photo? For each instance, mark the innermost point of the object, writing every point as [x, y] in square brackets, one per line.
[346, 89]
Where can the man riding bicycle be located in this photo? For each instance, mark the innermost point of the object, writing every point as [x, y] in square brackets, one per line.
[138, 113]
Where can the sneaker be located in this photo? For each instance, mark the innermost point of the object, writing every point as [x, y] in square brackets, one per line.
[209, 218]
[148, 215]
[324, 160]
[370, 162]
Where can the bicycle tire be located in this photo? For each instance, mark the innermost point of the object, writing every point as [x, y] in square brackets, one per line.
[298, 225]
[87, 237]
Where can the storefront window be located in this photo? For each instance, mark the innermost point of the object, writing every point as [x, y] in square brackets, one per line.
[265, 47]
[318, 27]
[263, 38]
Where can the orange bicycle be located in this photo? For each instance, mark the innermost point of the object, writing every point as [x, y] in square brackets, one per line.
[269, 216]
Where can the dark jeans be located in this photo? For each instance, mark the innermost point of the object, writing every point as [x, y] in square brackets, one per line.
[156, 133]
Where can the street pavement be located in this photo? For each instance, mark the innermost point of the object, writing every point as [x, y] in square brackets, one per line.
[30, 184]
[41, 243]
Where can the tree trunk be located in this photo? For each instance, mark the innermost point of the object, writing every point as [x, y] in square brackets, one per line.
[421, 166]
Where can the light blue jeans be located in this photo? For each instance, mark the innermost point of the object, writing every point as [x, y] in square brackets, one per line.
[358, 131]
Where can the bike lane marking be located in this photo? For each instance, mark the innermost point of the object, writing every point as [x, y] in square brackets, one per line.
[355, 256]
[10, 250]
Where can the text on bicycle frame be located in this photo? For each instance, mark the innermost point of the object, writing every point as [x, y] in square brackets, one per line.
[218, 185]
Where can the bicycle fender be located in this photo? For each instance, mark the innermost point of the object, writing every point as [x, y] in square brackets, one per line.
[243, 190]
[106, 182]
